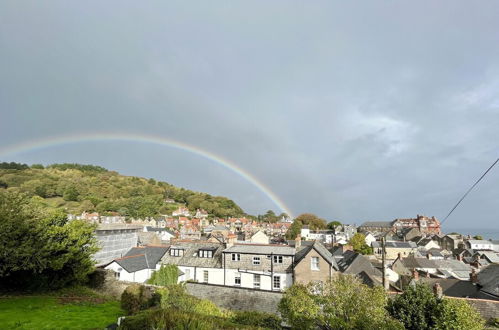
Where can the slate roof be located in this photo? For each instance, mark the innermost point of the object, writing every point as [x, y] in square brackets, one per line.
[355, 263]
[488, 279]
[157, 229]
[261, 249]
[376, 224]
[190, 257]
[491, 256]
[413, 262]
[395, 244]
[139, 258]
[454, 287]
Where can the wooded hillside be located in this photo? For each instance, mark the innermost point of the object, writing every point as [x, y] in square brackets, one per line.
[77, 188]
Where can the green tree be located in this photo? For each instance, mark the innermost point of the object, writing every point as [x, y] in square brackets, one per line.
[358, 243]
[333, 224]
[341, 303]
[478, 237]
[166, 275]
[71, 194]
[419, 308]
[42, 249]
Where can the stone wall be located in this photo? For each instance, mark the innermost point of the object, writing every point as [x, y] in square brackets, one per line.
[237, 298]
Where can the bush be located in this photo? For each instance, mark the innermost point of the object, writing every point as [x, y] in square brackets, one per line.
[96, 279]
[176, 319]
[166, 275]
[137, 297]
[257, 319]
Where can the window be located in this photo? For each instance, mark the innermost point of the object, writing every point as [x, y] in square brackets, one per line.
[314, 263]
[205, 276]
[276, 283]
[176, 252]
[205, 253]
[256, 260]
[278, 259]
[237, 279]
[236, 257]
[256, 281]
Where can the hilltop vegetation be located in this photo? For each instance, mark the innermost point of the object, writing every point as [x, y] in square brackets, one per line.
[77, 188]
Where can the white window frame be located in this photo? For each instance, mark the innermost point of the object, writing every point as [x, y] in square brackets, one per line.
[206, 276]
[257, 261]
[236, 257]
[278, 259]
[314, 263]
[278, 278]
[257, 283]
[237, 276]
[176, 252]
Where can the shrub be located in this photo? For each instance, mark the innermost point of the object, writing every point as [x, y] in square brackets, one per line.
[138, 297]
[257, 319]
[166, 275]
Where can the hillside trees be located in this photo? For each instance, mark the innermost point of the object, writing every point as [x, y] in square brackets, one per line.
[309, 219]
[41, 249]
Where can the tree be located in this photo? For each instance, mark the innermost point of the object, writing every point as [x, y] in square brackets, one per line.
[311, 220]
[333, 224]
[358, 242]
[341, 303]
[478, 237]
[166, 275]
[71, 194]
[42, 249]
[419, 308]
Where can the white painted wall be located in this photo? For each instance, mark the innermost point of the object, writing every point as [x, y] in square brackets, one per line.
[140, 276]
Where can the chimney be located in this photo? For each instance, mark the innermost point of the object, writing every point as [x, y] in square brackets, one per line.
[437, 290]
[399, 255]
[298, 241]
[231, 239]
[473, 276]
[428, 255]
[415, 274]
[459, 257]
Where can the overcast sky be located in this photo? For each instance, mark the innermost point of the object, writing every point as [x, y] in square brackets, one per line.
[372, 110]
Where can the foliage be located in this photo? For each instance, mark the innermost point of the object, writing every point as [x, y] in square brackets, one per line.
[257, 319]
[454, 314]
[78, 188]
[341, 303]
[333, 224]
[42, 249]
[309, 219]
[166, 275]
[56, 312]
[358, 243]
[478, 237]
[494, 322]
[418, 308]
[138, 297]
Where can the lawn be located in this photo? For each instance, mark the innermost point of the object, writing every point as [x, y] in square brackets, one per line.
[56, 312]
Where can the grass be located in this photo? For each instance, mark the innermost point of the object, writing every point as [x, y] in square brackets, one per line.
[68, 309]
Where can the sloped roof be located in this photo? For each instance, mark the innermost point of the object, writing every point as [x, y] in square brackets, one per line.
[261, 249]
[191, 258]
[491, 256]
[413, 262]
[383, 224]
[355, 263]
[320, 249]
[488, 279]
[133, 263]
[453, 287]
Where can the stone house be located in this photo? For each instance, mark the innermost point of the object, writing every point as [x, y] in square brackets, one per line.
[394, 248]
[259, 266]
[313, 263]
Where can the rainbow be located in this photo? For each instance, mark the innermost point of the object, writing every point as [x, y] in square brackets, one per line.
[150, 139]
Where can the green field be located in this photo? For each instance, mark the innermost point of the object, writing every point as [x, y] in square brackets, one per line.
[49, 312]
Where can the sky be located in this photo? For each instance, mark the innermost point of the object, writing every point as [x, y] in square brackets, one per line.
[354, 111]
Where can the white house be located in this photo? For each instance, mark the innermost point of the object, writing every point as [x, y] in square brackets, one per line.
[163, 233]
[480, 244]
[259, 238]
[370, 238]
[138, 264]
[324, 236]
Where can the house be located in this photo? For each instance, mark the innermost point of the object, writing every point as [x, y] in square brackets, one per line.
[495, 245]
[259, 266]
[357, 264]
[375, 226]
[370, 238]
[488, 280]
[259, 238]
[313, 263]
[199, 261]
[201, 214]
[181, 211]
[479, 244]
[324, 236]
[448, 268]
[394, 248]
[164, 234]
[427, 243]
[138, 264]
[424, 224]
[451, 242]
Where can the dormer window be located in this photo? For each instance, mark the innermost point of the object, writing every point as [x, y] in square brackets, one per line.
[206, 252]
[176, 252]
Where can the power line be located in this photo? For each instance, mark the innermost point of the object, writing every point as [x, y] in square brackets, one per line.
[469, 190]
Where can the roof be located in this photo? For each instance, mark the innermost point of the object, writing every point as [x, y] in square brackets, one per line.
[488, 279]
[355, 264]
[261, 249]
[384, 224]
[139, 258]
[491, 256]
[453, 287]
[190, 256]
[414, 262]
[395, 245]
[479, 241]
[157, 229]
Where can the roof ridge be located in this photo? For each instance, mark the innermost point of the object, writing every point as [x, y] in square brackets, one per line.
[128, 257]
